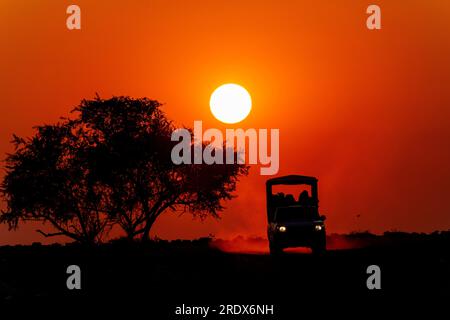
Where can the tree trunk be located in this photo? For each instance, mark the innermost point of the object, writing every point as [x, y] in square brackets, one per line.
[154, 214]
[148, 226]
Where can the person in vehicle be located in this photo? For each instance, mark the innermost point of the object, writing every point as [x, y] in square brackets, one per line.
[289, 200]
[303, 198]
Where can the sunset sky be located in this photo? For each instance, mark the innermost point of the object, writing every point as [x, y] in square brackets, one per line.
[365, 111]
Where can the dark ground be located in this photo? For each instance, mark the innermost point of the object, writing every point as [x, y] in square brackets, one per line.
[152, 279]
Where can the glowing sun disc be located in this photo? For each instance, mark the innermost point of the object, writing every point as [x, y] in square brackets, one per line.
[230, 103]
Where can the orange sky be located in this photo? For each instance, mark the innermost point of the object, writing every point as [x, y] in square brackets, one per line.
[367, 112]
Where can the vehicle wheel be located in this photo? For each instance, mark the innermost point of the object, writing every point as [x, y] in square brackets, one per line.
[319, 248]
[275, 249]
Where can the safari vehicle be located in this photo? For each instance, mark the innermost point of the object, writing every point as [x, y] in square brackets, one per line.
[291, 222]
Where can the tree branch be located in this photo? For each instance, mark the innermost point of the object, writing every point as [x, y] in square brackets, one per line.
[50, 234]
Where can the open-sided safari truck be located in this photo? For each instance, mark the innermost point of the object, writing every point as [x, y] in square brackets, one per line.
[294, 222]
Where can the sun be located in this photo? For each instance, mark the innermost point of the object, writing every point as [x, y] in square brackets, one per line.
[230, 103]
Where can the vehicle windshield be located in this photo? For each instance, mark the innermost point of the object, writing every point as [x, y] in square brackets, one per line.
[295, 213]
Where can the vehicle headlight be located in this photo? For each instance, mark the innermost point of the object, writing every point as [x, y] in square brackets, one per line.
[282, 229]
[319, 227]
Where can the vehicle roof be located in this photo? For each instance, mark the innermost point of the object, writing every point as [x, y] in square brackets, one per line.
[291, 179]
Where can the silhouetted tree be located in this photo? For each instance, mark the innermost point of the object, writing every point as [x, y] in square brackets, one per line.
[48, 180]
[113, 161]
[131, 158]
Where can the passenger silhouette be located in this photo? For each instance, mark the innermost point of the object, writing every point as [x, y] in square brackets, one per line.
[278, 199]
[289, 200]
[303, 198]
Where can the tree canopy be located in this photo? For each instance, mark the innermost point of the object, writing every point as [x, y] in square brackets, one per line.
[109, 165]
